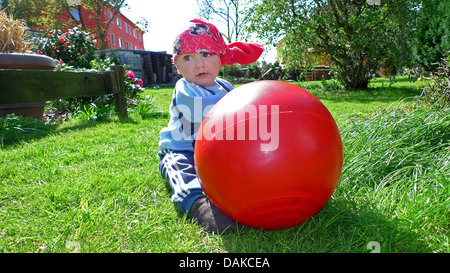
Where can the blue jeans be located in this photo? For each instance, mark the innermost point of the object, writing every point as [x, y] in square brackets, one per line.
[177, 167]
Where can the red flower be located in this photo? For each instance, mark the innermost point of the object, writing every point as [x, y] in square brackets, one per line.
[62, 40]
[130, 74]
[139, 82]
[40, 52]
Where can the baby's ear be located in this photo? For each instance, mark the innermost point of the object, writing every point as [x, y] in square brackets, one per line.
[176, 66]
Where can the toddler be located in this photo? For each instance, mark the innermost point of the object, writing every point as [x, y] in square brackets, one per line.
[199, 52]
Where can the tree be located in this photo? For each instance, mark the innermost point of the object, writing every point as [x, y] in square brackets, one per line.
[227, 12]
[432, 35]
[43, 13]
[357, 37]
[29, 9]
[96, 9]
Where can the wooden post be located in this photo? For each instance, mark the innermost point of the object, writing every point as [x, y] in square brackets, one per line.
[120, 100]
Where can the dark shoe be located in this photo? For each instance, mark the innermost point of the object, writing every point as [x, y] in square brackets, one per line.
[211, 218]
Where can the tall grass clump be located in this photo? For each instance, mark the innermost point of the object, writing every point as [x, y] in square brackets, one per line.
[399, 161]
[14, 128]
[147, 109]
[13, 35]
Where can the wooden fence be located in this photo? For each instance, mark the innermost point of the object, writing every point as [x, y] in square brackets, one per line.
[24, 86]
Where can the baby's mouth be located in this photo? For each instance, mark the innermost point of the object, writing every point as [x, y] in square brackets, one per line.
[202, 74]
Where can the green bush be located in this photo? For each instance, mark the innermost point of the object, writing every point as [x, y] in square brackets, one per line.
[437, 91]
[431, 35]
[253, 71]
[234, 70]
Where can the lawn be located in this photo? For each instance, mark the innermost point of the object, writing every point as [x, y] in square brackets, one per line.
[95, 186]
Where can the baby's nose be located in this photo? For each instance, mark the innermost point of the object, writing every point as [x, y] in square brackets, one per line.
[200, 62]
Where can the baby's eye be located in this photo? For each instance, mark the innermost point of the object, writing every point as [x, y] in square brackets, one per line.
[187, 58]
[206, 55]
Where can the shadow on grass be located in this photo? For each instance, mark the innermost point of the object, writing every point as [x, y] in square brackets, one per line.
[341, 227]
[16, 129]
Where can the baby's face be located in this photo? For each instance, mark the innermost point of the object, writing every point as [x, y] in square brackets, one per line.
[199, 68]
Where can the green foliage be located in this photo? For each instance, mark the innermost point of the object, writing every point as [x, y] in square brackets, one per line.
[253, 71]
[323, 85]
[437, 91]
[74, 47]
[147, 109]
[48, 13]
[99, 109]
[29, 9]
[400, 158]
[101, 65]
[134, 86]
[357, 37]
[432, 34]
[398, 145]
[14, 127]
[234, 70]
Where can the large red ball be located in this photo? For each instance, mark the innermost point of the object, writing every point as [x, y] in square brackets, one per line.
[269, 155]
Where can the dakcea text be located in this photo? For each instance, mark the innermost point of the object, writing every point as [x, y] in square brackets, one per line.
[226, 262]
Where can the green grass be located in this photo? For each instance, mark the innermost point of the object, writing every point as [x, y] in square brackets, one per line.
[97, 184]
[380, 94]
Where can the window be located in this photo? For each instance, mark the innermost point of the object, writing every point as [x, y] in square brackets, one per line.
[134, 33]
[113, 40]
[75, 14]
[119, 23]
[120, 42]
[126, 27]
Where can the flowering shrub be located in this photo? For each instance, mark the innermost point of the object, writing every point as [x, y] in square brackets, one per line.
[133, 85]
[73, 47]
[437, 90]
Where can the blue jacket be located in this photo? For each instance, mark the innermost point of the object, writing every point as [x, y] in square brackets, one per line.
[190, 104]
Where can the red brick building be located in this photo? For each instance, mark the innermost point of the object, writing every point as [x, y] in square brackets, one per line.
[124, 34]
